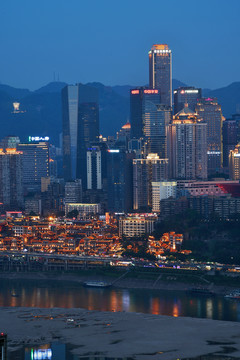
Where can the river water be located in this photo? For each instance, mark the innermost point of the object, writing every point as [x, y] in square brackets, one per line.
[48, 294]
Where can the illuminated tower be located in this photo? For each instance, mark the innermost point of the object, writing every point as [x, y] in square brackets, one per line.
[146, 171]
[187, 146]
[160, 71]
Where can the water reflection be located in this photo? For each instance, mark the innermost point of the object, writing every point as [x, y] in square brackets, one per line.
[54, 351]
[48, 294]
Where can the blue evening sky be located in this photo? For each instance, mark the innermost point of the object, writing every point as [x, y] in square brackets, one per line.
[108, 40]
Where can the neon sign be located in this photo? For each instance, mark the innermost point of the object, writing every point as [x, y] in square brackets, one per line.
[150, 91]
[135, 92]
[38, 138]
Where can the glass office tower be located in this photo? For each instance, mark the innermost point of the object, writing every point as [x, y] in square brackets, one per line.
[142, 101]
[210, 111]
[80, 127]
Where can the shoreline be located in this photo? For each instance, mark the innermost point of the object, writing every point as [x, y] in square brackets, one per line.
[120, 334]
[127, 283]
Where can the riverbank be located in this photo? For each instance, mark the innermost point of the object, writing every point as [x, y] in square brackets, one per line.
[108, 334]
[163, 282]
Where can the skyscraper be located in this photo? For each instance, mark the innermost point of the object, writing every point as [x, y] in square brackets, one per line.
[146, 171]
[156, 122]
[11, 172]
[142, 101]
[186, 95]
[119, 187]
[94, 168]
[80, 128]
[149, 119]
[210, 111]
[35, 164]
[160, 71]
[187, 146]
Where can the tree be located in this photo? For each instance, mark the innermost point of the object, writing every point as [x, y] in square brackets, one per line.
[73, 214]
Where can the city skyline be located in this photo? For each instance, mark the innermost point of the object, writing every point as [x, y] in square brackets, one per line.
[53, 40]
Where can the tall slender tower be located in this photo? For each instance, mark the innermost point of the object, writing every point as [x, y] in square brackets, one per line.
[80, 128]
[160, 71]
[210, 111]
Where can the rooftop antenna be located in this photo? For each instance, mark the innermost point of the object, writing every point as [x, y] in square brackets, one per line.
[54, 76]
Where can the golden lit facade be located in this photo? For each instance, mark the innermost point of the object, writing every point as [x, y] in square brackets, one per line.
[145, 171]
[160, 71]
[187, 146]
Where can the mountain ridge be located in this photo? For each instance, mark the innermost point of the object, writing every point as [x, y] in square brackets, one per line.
[40, 110]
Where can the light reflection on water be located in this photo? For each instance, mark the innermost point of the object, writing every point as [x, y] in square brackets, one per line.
[48, 294]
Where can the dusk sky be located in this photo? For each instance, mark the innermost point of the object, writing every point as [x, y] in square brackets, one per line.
[108, 41]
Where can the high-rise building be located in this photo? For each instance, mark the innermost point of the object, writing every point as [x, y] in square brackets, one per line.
[186, 95]
[142, 102]
[234, 163]
[119, 185]
[155, 130]
[73, 191]
[210, 111]
[149, 119]
[229, 136]
[160, 71]
[94, 168]
[146, 171]
[187, 146]
[35, 164]
[11, 173]
[80, 128]
[162, 190]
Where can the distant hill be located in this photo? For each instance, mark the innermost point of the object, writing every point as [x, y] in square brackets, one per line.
[41, 109]
[228, 97]
[52, 87]
[14, 92]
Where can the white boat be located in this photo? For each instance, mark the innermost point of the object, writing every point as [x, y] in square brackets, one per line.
[235, 295]
[95, 283]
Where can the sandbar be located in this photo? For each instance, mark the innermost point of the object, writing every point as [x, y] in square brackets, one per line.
[120, 334]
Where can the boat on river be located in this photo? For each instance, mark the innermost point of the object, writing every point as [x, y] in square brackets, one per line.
[234, 295]
[201, 291]
[97, 284]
